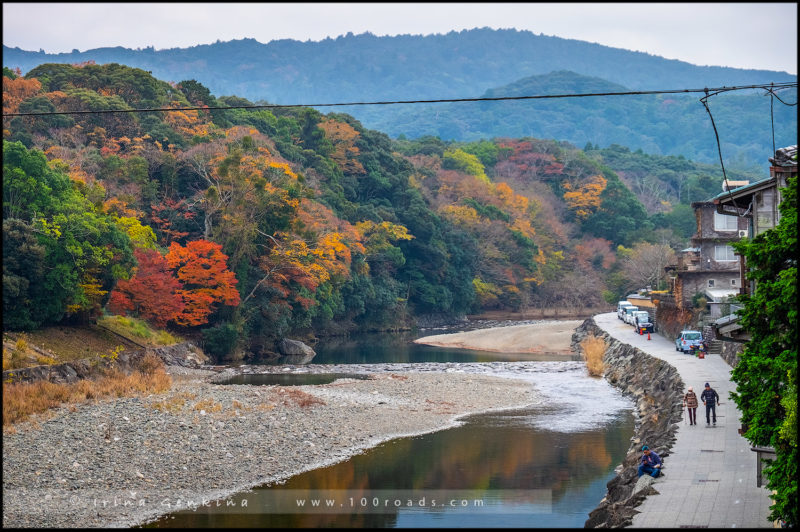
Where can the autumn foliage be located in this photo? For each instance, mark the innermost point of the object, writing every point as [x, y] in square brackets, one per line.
[343, 137]
[15, 91]
[585, 200]
[202, 269]
[323, 223]
[153, 293]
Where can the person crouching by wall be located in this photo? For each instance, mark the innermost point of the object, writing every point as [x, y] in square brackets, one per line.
[651, 463]
[690, 402]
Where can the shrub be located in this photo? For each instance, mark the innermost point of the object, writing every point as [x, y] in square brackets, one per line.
[593, 349]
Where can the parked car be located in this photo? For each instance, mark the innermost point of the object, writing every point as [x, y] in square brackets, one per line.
[629, 314]
[621, 308]
[642, 323]
[688, 341]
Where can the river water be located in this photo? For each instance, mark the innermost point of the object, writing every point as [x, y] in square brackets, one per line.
[541, 467]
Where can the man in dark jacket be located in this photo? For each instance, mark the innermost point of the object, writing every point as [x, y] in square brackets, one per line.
[710, 398]
[651, 463]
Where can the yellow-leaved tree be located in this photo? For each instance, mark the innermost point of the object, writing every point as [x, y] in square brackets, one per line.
[585, 200]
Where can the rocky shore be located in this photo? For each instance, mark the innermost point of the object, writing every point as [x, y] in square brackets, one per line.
[123, 462]
[657, 389]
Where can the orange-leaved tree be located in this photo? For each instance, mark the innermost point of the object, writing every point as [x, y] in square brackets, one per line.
[202, 268]
[152, 293]
[343, 137]
[15, 91]
[585, 200]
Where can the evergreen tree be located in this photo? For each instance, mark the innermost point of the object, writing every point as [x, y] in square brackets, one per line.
[770, 356]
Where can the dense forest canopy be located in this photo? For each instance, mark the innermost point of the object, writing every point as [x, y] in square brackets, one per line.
[468, 64]
[666, 124]
[254, 224]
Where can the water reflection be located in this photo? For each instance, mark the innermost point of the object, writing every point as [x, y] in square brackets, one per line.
[290, 379]
[399, 348]
[564, 473]
[557, 457]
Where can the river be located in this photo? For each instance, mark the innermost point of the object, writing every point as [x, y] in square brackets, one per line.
[542, 467]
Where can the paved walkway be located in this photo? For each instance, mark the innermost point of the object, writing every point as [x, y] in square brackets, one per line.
[710, 475]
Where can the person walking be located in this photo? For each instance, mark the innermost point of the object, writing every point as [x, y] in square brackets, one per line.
[710, 398]
[651, 463]
[690, 402]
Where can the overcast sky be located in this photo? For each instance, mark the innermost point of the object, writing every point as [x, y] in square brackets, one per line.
[742, 35]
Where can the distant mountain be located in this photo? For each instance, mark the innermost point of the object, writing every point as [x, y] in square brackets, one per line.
[658, 124]
[358, 68]
[366, 67]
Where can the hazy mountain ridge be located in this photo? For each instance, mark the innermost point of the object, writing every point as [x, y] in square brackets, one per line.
[466, 64]
[455, 64]
[668, 124]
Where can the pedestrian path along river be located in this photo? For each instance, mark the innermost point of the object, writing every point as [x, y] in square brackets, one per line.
[710, 474]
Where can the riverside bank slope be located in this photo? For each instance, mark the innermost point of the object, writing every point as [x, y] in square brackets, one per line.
[710, 479]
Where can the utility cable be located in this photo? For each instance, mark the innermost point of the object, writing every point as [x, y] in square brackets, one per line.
[772, 118]
[784, 85]
[704, 101]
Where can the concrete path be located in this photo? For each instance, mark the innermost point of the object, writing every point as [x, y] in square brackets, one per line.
[710, 475]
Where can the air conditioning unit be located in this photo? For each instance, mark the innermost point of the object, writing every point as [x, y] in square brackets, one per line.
[742, 233]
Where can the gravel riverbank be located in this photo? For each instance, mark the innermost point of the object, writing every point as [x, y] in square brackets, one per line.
[126, 461]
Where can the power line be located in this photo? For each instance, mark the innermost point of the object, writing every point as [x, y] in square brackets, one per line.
[771, 91]
[769, 87]
[704, 101]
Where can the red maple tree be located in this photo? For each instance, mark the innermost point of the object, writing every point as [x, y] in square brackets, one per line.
[152, 293]
[202, 268]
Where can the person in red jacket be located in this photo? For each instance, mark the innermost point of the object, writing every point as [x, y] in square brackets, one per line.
[690, 402]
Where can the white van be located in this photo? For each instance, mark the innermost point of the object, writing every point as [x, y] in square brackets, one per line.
[621, 308]
[628, 316]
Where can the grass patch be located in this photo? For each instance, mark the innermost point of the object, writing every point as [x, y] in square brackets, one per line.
[58, 344]
[209, 405]
[174, 404]
[299, 397]
[18, 353]
[13, 359]
[593, 349]
[137, 330]
[21, 400]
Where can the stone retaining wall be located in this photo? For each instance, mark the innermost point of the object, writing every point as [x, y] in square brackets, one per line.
[183, 354]
[657, 389]
[731, 351]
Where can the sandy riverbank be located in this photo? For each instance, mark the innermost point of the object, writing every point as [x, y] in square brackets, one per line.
[126, 461]
[543, 337]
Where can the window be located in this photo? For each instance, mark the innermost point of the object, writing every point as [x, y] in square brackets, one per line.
[723, 222]
[733, 282]
[765, 211]
[723, 254]
[711, 283]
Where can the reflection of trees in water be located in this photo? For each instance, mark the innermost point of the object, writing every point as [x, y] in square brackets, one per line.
[488, 453]
[373, 348]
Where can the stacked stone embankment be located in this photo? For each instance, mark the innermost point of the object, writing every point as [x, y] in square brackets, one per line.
[657, 389]
[184, 354]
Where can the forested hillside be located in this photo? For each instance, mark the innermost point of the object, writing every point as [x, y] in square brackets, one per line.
[243, 226]
[670, 124]
[467, 64]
